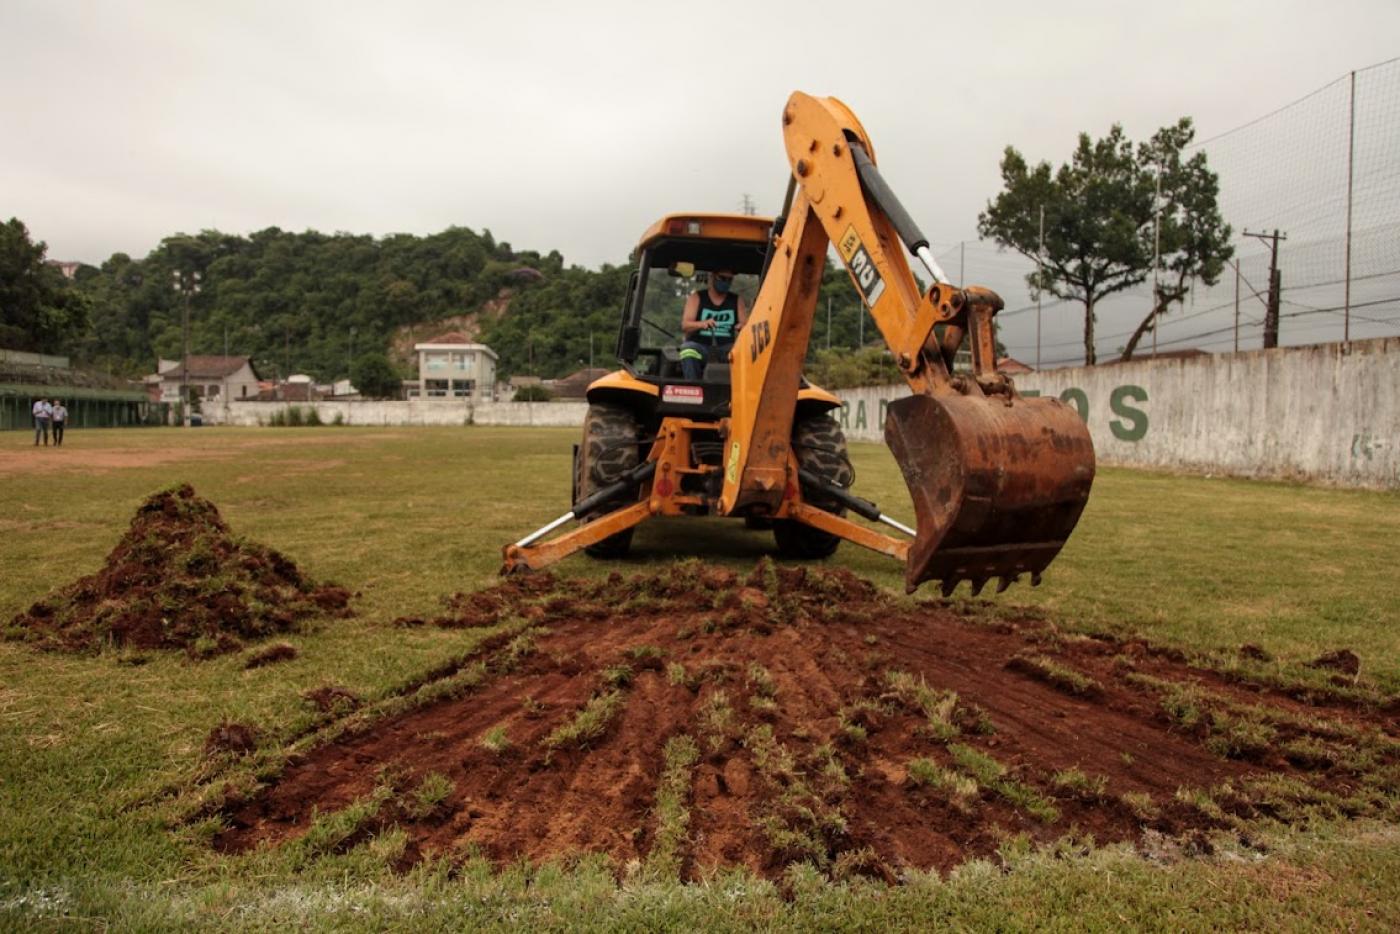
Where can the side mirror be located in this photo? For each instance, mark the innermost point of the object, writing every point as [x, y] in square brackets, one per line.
[682, 270]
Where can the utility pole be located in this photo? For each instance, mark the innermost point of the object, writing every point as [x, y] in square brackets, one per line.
[590, 350]
[187, 284]
[1275, 286]
[1351, 164]
[747, 206]
[350, 362]
[1237, 305]
[1156, 256]
[1039, 261]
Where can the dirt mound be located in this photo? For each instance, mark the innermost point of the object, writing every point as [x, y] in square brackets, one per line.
[230, 738]
[179, 579]
[695, 719]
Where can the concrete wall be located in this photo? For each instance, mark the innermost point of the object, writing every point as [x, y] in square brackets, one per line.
[1329, 412]
[412, 412]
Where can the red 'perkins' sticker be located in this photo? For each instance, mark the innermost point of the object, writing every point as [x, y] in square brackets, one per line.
[688, 395]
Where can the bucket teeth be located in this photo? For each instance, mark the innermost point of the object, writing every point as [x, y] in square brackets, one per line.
[977, 584]
[1005, 581]
[949, 585]
[1035, 579]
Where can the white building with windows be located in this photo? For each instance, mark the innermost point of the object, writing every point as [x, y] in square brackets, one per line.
[452, 367]
[210, 378]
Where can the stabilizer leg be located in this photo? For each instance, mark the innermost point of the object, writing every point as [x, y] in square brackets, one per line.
[535, 556]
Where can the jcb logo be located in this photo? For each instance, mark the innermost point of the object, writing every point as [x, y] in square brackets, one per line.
[850, 242]
[759, 336]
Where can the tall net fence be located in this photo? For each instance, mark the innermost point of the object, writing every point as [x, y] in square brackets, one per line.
[1323, 171]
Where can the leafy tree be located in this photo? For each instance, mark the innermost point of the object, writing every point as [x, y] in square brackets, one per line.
[1099, 210]
[375, 377]
[39, 309]
[839, 368]
[1194, 241]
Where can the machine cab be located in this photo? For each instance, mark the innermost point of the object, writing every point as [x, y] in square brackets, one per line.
[675, 259]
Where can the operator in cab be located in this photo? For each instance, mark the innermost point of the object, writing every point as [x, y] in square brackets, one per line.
[710, 323]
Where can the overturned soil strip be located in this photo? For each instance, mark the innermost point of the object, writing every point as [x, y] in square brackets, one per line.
[806, 717]
[179, 579]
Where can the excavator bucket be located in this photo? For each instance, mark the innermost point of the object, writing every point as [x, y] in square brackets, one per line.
[998, 483]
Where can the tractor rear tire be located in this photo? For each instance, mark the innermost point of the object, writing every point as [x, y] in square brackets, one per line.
[610, 448]
[820, 447]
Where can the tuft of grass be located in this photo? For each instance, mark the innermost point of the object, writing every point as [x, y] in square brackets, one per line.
[588, 723]
[333, 831]
[495, 740]
[763, 706]
[432, 792]
[960, 789]
[761, 682]
[716, 717]
[1047, 670]
[515, 651]
[1202, 801]
[646, 657]
[992, 774]
[618, 676]
[1141, 804]
[800, 822]
[1231, 731]
[938, 707]
[1079, 783]
[670, 812]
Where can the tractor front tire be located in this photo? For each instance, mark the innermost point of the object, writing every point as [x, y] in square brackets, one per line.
[820, 447]
[610, 448]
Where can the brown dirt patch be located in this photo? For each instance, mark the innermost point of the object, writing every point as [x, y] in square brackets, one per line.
[332, 698]
[277, 652]
[75, 457]
[828, 723]
[231, 738]
[179, 579]
[1343, 660]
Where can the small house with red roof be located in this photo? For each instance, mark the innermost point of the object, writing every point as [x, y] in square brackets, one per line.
[211, 378]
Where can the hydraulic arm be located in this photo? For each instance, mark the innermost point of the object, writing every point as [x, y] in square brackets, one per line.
[998, 481]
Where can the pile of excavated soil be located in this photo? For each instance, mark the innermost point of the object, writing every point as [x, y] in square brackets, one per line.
[695, 719]
[179, 580]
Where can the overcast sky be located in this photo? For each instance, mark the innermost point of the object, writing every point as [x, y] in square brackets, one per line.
[571, 126]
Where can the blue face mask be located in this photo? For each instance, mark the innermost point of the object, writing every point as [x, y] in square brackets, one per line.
[720, 285]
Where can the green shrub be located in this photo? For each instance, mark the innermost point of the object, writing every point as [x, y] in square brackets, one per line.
[533, 394]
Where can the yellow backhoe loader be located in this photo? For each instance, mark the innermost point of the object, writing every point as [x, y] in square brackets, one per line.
[998, 480]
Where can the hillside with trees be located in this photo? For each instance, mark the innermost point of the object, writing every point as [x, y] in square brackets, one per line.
[316, 303]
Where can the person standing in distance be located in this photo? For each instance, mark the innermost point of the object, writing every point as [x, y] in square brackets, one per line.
[43, 413]
[60, 419]
[710, 323]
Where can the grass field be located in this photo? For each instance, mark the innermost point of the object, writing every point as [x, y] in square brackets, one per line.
[95, 755]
